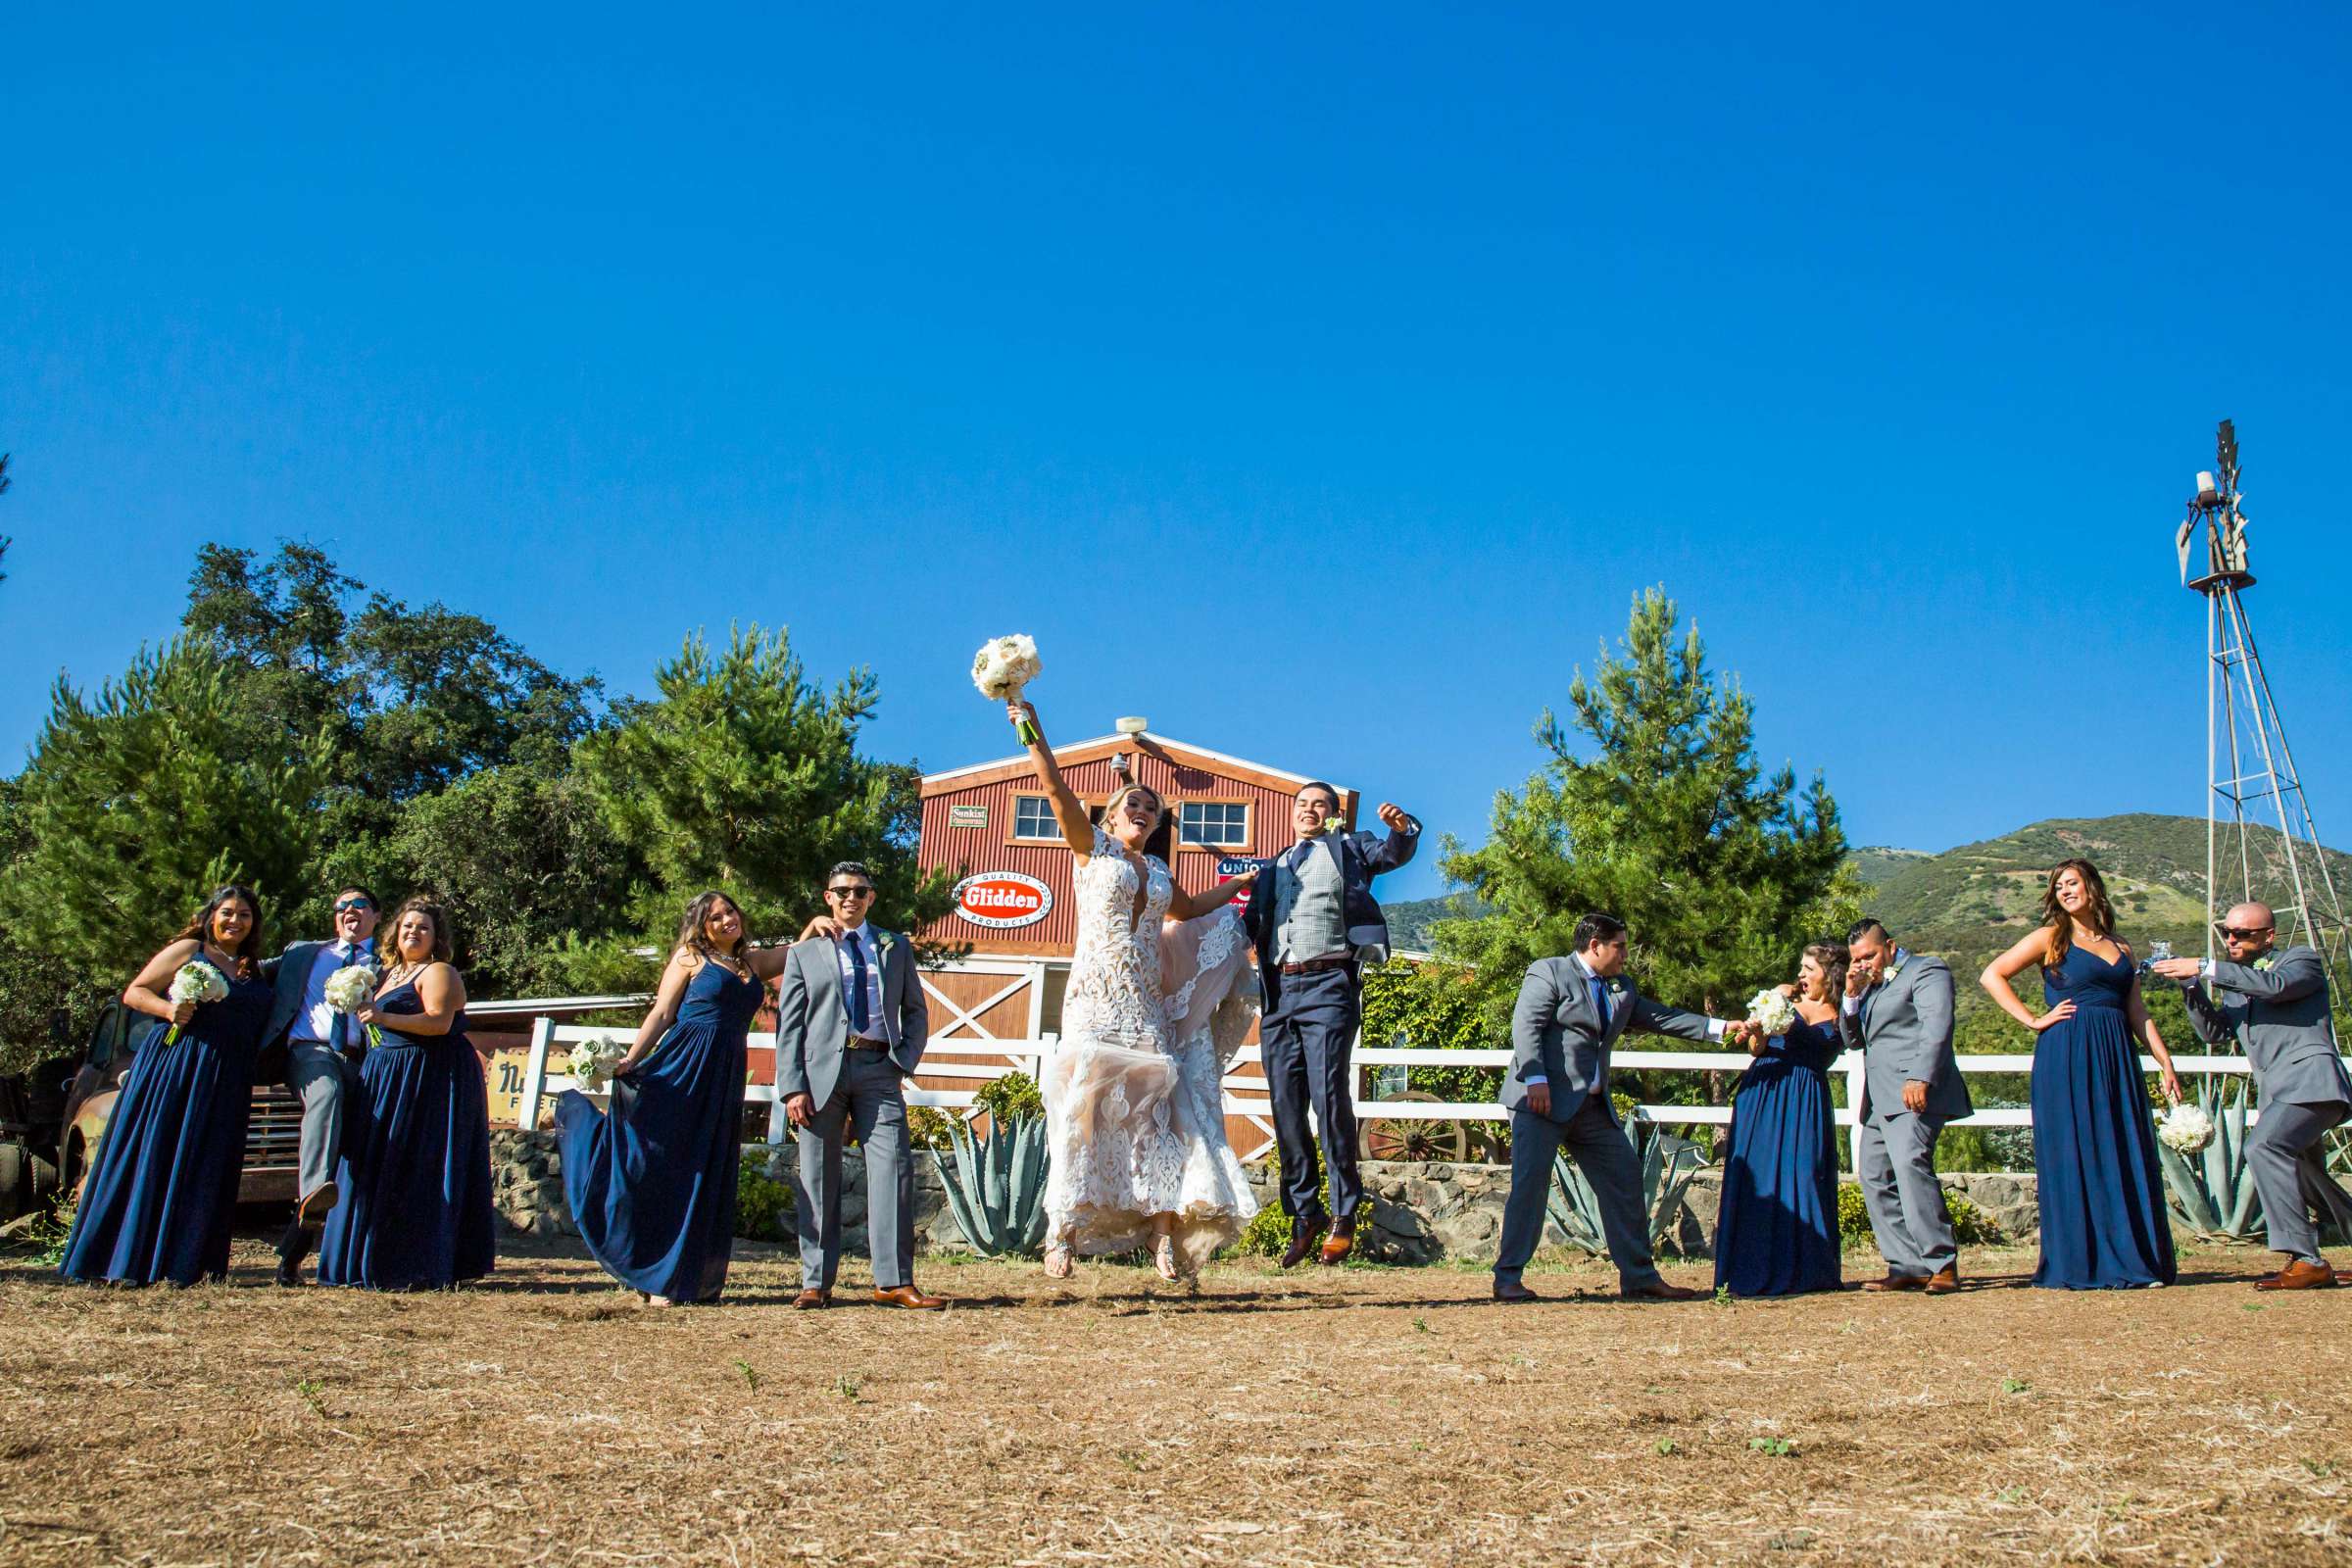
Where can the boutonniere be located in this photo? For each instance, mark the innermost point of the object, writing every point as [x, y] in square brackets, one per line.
[1891, 971]
[2263, 963]
[1616, 988]
[883, 941]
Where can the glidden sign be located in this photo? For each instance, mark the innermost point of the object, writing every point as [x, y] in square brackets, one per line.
[1002, 899]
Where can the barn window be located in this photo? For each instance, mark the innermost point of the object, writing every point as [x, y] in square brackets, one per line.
[1214, 825]
[1032, 818]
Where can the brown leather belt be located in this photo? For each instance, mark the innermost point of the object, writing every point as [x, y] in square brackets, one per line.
[861, 1043]
[1338, 960]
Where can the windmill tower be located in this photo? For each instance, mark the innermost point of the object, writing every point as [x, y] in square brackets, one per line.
[2260, 841]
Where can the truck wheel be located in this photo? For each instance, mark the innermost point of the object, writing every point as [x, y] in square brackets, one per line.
[16, 1182]
[45, 1184]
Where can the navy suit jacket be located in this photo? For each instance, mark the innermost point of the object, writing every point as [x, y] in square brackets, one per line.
[1361, 856]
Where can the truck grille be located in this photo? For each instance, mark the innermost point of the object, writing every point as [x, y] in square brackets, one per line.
[274, 1135]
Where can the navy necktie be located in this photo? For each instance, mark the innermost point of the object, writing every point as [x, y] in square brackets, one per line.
[1601, 1002]
[338, 1028]
[856, 983]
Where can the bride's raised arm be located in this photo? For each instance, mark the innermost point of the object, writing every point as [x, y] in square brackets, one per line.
[1185, 906]
[1068, 811]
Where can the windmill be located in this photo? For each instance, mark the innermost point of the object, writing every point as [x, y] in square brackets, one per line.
[2260, 841]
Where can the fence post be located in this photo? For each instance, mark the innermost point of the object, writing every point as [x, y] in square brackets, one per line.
[1854, 1088]
[534, 1074]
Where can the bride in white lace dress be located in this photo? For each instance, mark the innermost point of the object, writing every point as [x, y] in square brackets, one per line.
[1160, 996]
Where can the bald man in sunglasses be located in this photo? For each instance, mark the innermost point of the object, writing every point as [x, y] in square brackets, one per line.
[2277, 1012]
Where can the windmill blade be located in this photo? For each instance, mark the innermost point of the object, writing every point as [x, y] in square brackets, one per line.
[2180, 545]
[2224, 450]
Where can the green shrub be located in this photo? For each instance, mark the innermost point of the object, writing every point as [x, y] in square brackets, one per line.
[760, 1201]
[1011, 1099]
[48, 1235]
[928, 1127]
[1971, 1225]
[1267, 1235]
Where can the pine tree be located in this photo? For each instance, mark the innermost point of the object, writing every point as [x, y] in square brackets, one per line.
[139, 802]
[1660, 816]
[744, 776]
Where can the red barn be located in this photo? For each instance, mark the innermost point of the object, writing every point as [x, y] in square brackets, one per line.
[991, 825]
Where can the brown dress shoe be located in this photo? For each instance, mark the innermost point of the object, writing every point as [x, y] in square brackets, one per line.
[1515, 1291]
[812, 1300]
[1660, 1291]
[1896, 1282]
[908, 1296]
[2299, 1276]
[1339, 1244]
[1944, 1281]
[1303, 1242]
[312, 1212]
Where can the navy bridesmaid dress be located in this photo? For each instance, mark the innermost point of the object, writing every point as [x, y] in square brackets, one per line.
[158, 1202]
[1777, 1233]
[651, 1185]
[414, 1212]
[2103, 1222]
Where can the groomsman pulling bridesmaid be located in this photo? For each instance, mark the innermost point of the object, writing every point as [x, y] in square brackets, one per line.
[158, 1201]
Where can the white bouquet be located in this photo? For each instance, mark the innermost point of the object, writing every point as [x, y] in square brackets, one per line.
[351, 988]
[1776, 1013]
[2184, 1129]
[1002, 667]
[198, 982]
[593, 1062]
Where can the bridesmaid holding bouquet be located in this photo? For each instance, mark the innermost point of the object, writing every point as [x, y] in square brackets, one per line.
[160, 1196]
[1777, 1233]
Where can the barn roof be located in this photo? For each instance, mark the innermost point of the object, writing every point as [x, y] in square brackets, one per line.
[1086, 751]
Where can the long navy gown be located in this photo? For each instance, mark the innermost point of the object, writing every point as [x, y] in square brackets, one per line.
[158, 1201]
[1777, 1233]
[651, 1185]
[414, 1212]
[2103, 1224]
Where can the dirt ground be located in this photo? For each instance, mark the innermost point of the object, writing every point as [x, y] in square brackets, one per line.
[1358, 1416]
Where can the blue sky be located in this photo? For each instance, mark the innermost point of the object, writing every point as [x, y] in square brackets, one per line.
[1320, 381]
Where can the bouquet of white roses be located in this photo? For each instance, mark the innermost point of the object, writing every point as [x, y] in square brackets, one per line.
[198, 982]
[1002, 667]
[593, 1062]
[351, 988]
[1772, 1011]
[2184, 1129]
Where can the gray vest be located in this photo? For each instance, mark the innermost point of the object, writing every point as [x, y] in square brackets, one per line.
[1310, 918]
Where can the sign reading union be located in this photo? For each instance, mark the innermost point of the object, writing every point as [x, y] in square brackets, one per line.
[1000, 900]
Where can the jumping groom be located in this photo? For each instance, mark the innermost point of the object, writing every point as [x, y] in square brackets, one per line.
[1570, 1012]
[1898, 1013]
[1315, 924]
[2278, 1012]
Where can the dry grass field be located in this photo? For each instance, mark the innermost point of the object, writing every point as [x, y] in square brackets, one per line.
[1361, 1416]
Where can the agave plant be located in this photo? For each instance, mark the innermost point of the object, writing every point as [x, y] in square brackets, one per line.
[2212, 1189]
[1668, 1166]
[996, 1185]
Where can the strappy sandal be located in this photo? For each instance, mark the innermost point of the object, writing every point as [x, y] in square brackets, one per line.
[1059, 1262]
[1163, 1258]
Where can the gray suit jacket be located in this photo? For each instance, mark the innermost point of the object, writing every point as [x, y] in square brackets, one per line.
[1557, 1036]
[1904, 1032]
[2280, 1021]
[813, 1014]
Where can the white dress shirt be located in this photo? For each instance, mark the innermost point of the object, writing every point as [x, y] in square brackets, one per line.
[863, 935]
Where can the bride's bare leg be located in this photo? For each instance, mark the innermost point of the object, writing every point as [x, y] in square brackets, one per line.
[1060, 1261]
[1163, 1245]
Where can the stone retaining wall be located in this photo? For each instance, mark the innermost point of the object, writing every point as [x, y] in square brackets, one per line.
[1417, 1213]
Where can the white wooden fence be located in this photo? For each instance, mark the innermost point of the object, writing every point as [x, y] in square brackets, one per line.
[1245, 1095]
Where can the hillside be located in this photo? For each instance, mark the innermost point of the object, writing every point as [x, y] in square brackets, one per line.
[1968, 904]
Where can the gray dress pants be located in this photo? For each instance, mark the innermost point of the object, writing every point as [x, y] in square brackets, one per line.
[1602, 1151]
[1894, 1160]
[2290, 1172]
[869, 1100]
[321, 1078]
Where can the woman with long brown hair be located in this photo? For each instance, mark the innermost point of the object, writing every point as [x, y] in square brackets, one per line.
[160, 1196]
[652, 1183]
[1777, 1232]
[2100, 1191]
[416, 1172]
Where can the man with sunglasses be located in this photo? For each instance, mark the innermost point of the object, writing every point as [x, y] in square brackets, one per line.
[322, 1048]
[851, 1026]
[2278, 1016]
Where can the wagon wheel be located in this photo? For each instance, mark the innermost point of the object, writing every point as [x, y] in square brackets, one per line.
[1415, 1138]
